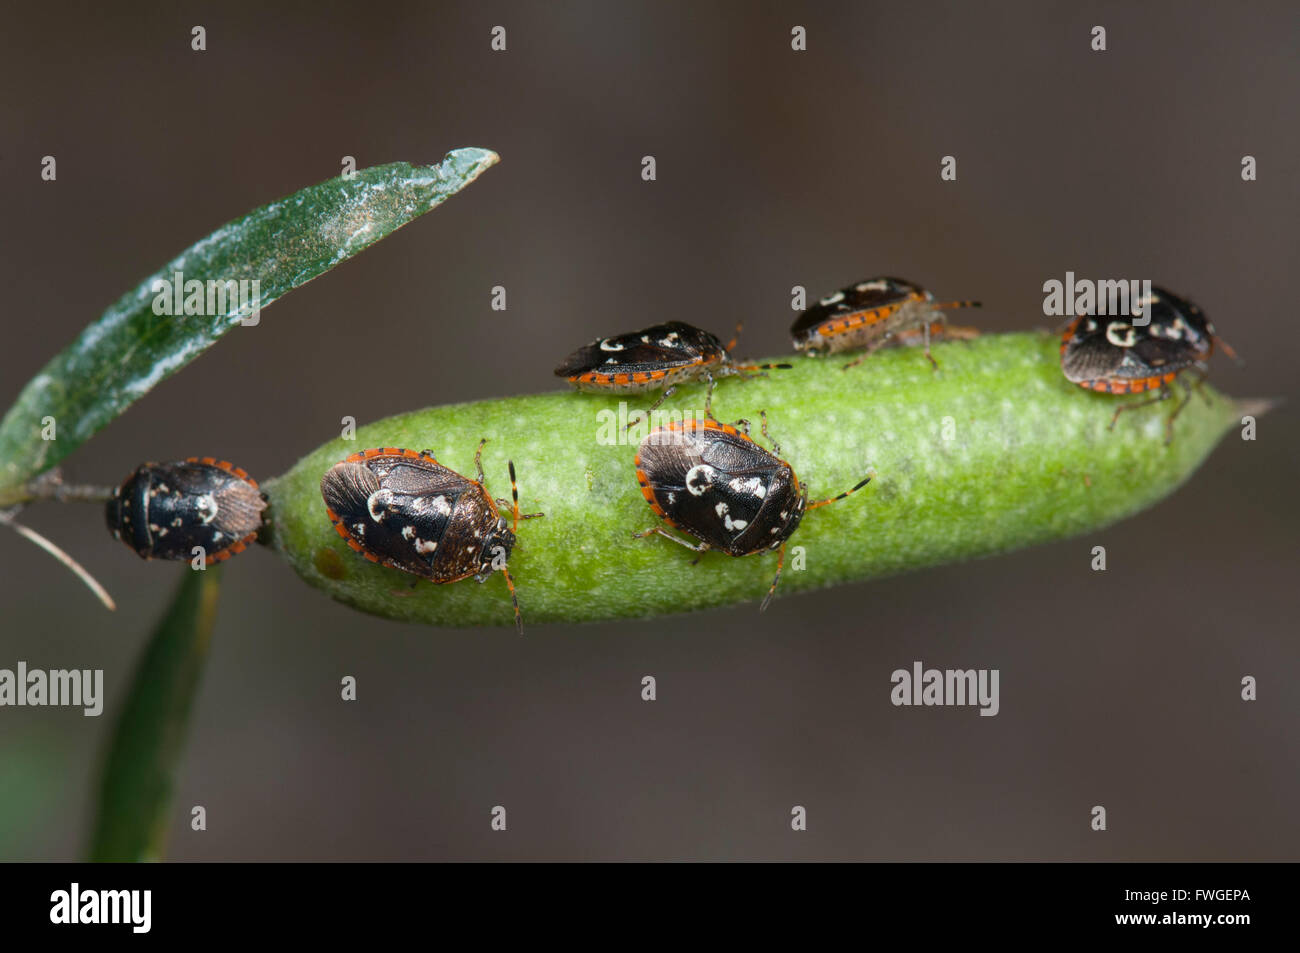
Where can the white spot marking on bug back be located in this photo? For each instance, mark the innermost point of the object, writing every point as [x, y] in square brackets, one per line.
[378, 502]
[752, 485]
[699, 478]
[207, 507]
[1121, 334]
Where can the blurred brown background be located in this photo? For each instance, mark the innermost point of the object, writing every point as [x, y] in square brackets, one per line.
[775, 168]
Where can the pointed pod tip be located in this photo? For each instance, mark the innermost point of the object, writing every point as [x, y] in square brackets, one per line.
[1258, 406]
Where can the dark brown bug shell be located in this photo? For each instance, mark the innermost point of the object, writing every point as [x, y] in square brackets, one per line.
[717, 484]
[164, 510]
[1110, 353]
[402, 509]
[641, 360]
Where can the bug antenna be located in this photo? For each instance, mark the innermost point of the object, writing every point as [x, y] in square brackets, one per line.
[514, 495]
[865, 480]
[77, 569]
[771, 591]
[1228, 350]
[735, 338]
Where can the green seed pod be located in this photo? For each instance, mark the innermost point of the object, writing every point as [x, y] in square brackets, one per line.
[993, 451]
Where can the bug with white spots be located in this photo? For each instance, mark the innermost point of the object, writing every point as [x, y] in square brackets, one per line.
[1117, 356]
[406, 511]
[740, 498]
[657, 358]
[871, 314]
[164, 510]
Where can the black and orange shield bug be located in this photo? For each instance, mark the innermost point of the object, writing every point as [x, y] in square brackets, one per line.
[404, 510]
[871, 314]
[713, 481]
[164, 510]
[662, 356]
[1114, 355]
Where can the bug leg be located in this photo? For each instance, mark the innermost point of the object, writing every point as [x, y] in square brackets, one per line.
[708, 394]
[771, 591]
[407, 591]
[514, 598]
[776, 447]
[1169, 424]
[478, 460]
[1163, 395]
[668, 392]
[1202, 375]
[955, 332]
[505, 504]
[429, 454]
[857, 360]
[700, 548]
[742, 425]
[940, 318]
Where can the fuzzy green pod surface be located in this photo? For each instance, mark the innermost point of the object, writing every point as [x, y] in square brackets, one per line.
[993, 451]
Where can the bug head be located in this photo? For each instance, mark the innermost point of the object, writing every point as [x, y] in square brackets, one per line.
[811, 343]
[113, 513]
[789, 522]
[498, 544]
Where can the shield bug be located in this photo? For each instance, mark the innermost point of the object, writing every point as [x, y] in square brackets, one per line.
[662, 356]
[713, 481]
[871, 314]
[164, 510]
[1113, 355]
[405, 510]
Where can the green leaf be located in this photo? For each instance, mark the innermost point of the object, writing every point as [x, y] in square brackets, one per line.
[149, 737]
[120, 357]
[994, 451]
[30, 784]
